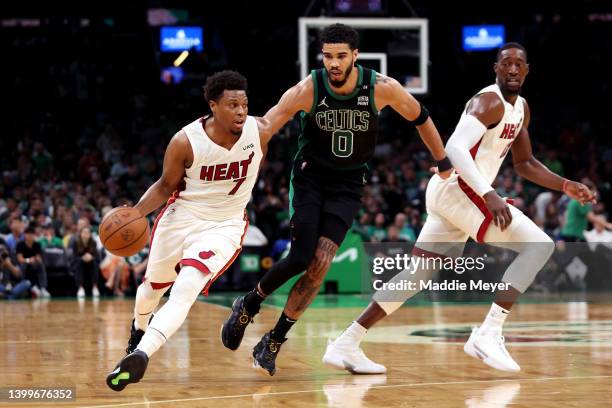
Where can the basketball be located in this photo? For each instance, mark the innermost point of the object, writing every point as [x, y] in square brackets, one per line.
[123, 231]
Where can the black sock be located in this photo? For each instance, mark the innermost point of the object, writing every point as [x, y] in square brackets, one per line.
[252, 301]
[282, 328]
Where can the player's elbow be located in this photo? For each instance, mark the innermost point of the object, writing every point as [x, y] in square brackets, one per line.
[519, 169]
[165, 186]
[522, 168]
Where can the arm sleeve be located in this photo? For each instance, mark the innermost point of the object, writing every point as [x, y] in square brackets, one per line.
[468, 132]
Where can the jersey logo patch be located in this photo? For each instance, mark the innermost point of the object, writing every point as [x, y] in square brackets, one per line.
[248, 146]
[206, 254]
[363, 100]
[323, 103]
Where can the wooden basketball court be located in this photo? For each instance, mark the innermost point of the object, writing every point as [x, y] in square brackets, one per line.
[564, 349]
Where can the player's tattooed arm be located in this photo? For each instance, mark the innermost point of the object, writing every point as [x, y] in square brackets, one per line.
[382, 79]
[306, 288]
[295, 99]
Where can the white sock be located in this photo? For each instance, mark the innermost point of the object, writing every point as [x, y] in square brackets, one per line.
[171, 315]
[495, 319]
[152, 340]
[147, 300]
[352, 336]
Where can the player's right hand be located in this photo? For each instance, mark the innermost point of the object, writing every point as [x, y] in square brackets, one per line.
[580, 192]
[498, 207]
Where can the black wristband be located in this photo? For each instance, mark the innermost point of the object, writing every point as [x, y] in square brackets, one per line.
[444, 164]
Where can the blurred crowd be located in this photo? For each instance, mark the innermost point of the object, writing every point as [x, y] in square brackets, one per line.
[50, 212]
[86, 131]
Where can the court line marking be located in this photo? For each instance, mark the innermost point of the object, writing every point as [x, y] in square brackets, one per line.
[357, 387]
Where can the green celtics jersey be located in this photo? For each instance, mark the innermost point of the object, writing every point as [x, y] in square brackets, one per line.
[340, 131]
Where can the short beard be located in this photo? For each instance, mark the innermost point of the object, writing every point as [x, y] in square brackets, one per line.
[511, 92]
[339, 84]
[507, 91]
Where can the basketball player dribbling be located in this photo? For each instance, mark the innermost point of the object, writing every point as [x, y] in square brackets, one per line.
[214, 161]
[465, 205]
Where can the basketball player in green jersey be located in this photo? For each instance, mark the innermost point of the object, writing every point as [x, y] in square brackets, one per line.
[339, 108]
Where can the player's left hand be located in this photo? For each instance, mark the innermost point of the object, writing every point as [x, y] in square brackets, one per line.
[444, 175]
[579, 192]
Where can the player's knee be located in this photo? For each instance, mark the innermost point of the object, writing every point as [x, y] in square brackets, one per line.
[541, 243]
[320, 265]
[188, 286]
[146, 291]
[184, 295]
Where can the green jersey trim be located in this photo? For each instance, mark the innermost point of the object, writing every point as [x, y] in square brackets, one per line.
[315, 98]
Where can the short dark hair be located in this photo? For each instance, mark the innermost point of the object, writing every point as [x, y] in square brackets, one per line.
[221, 81]
[509, 45]
[30, 230]
[340, 34]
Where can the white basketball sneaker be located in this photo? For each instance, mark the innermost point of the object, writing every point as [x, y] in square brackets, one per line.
[489, 347]
[351, 358]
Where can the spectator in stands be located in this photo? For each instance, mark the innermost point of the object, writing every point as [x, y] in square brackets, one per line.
[393, 234]
[30, 262]
[392, 193]
[10, 205]
[16, 235]
[406, 232]
[43, 161]
[551, 220]
[552, 162]
[599, 234]
[377, 232]
[507, 188]
[49, 239]
[114, 270]
[12, 284]
[578, 216]
[362, 225]
[138, 266]
[541, 202]
[68, 228]
[85, 262]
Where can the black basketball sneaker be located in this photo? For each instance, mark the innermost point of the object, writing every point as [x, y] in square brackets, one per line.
[233, 328]
[135, 337]
[265, 352]
[130, 370]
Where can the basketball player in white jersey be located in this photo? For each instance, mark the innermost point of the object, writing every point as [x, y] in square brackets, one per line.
[214, 161]
[465, 205]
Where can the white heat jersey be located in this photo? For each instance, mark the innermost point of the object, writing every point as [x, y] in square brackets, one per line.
[490, 151]
[218, 184]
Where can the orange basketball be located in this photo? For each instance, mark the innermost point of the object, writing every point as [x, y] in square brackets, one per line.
[123, 231]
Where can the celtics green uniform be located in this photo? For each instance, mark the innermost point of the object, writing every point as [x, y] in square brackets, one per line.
[337, 139]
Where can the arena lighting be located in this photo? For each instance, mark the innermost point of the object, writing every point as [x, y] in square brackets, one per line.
[175, 39]
[181, 58]
[483, 37]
